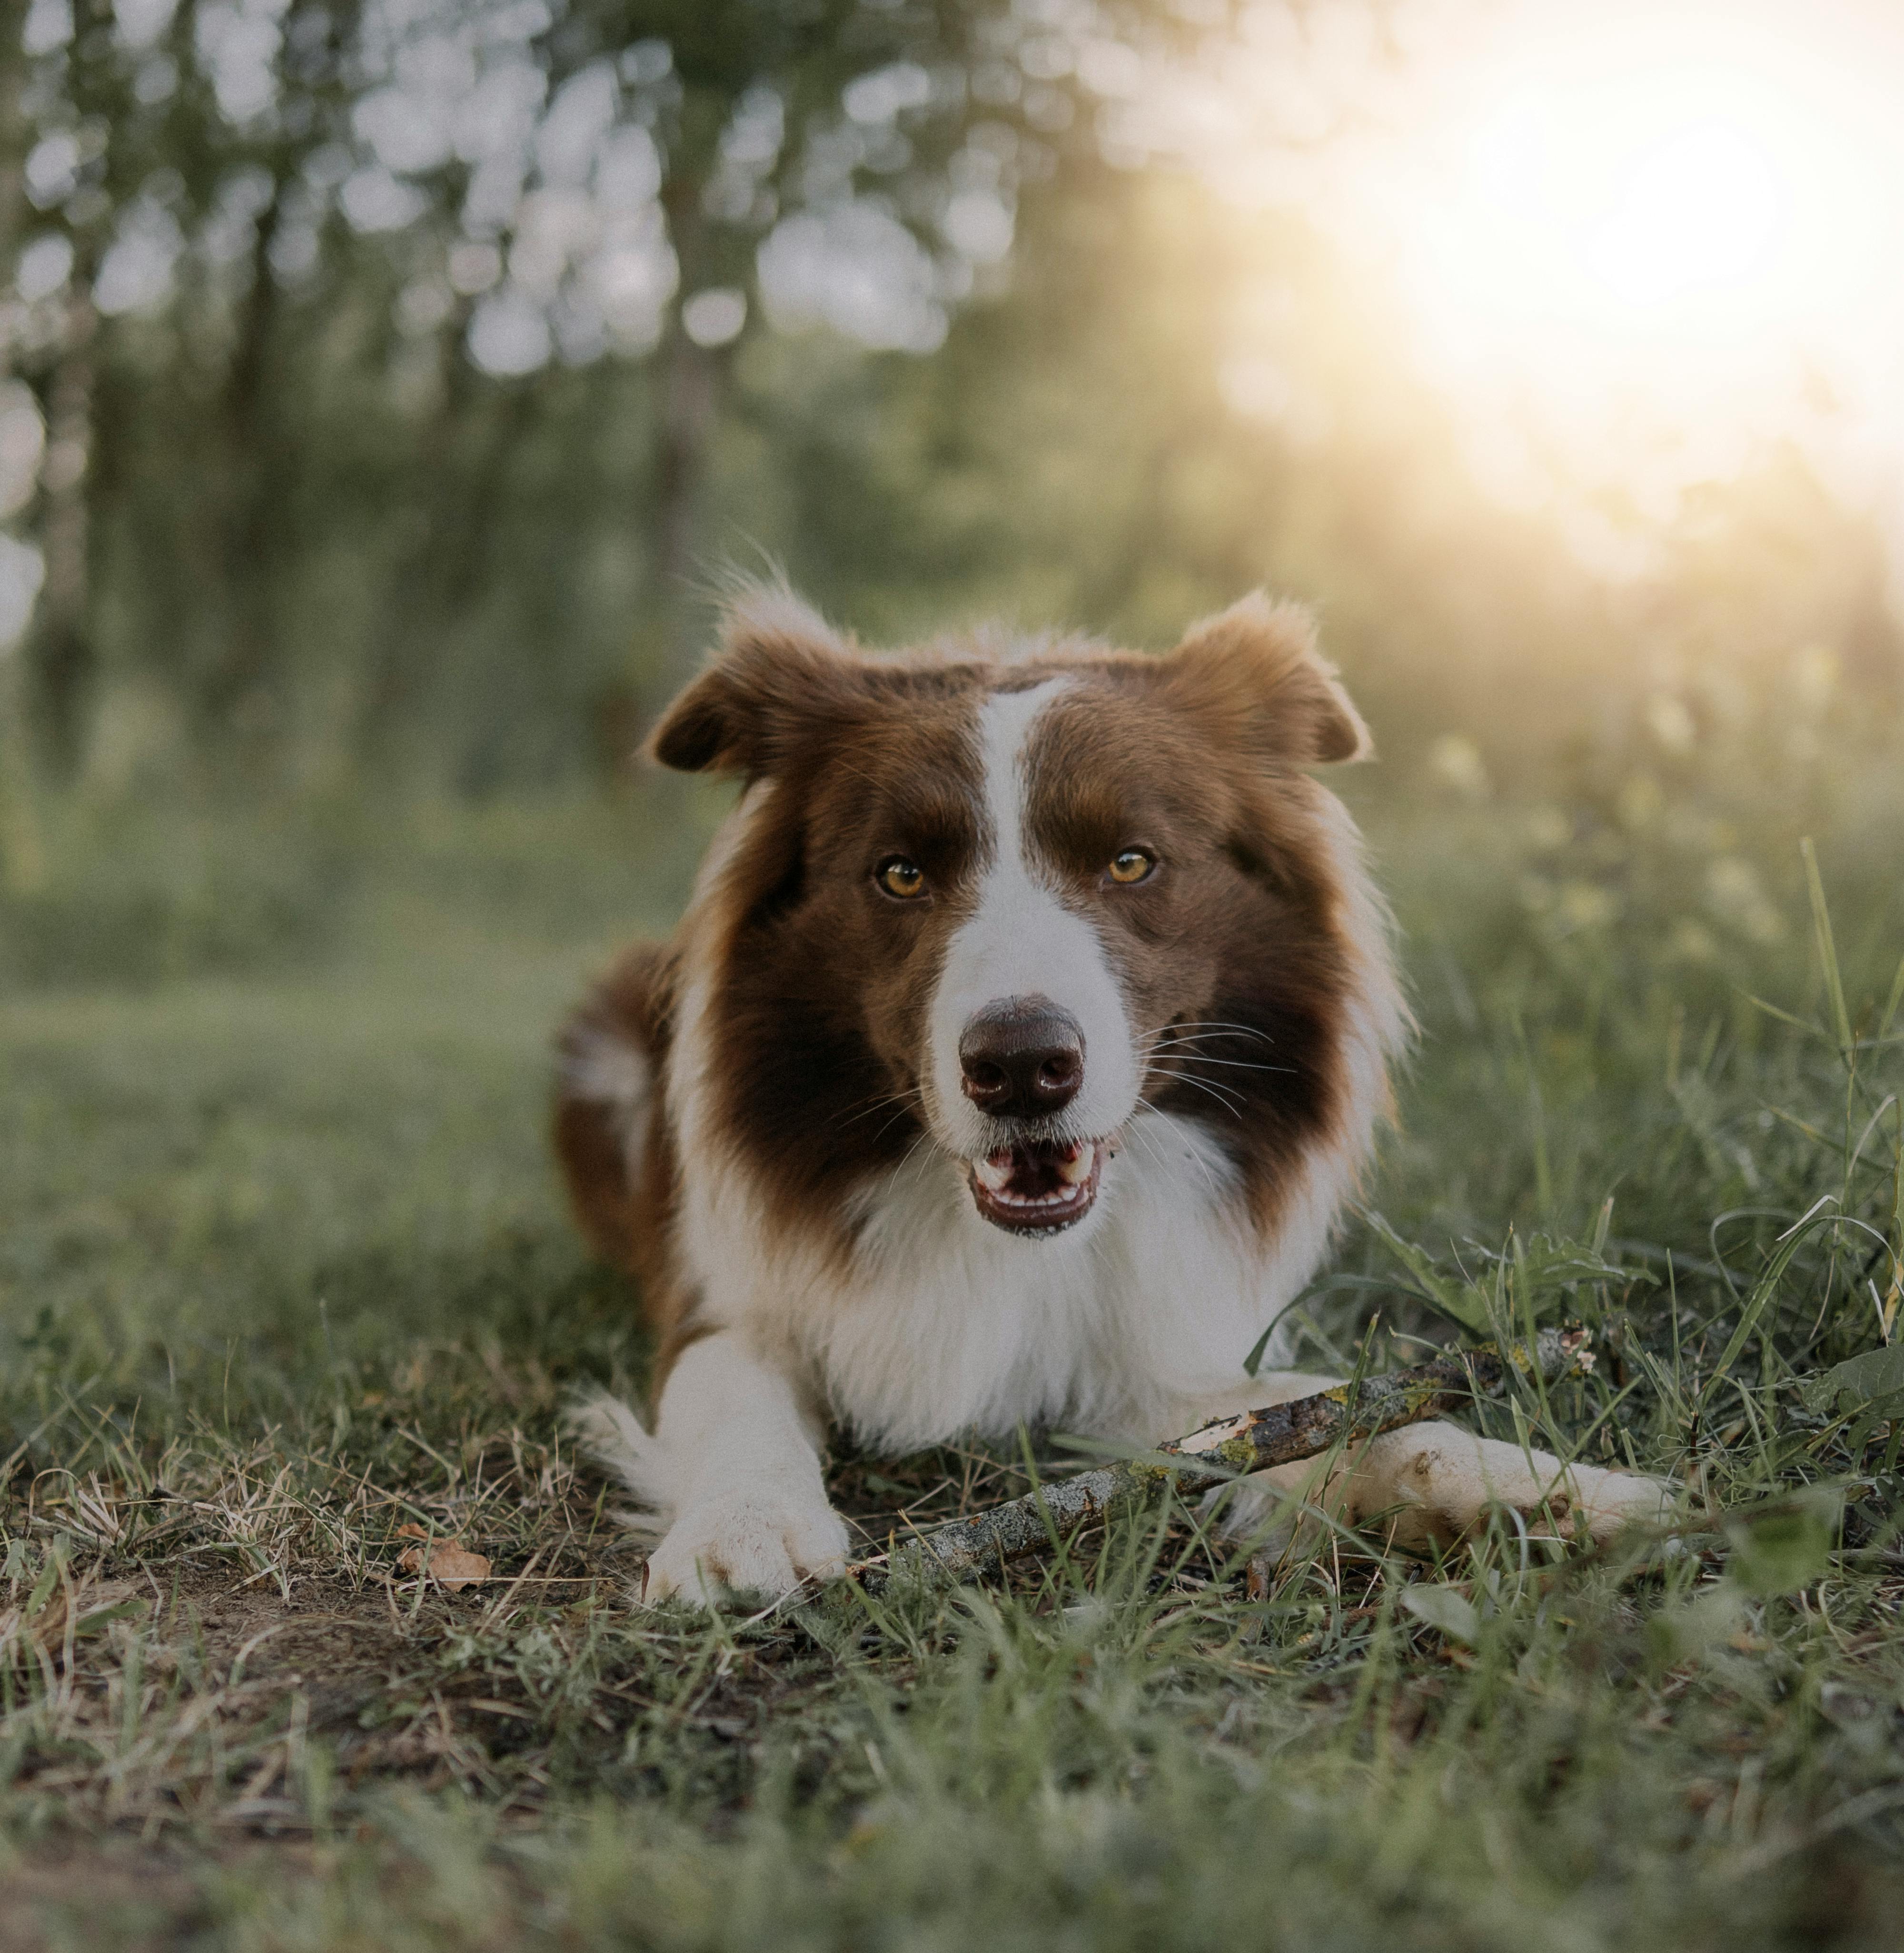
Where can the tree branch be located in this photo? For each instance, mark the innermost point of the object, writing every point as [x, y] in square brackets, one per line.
[1283, 1434]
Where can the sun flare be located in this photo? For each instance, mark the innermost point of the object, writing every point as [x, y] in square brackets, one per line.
[1628, 202]
[1633, 242]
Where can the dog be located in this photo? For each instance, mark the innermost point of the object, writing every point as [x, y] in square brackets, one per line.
[1028, 1028]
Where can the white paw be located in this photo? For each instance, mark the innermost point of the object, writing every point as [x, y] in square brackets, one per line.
[1433, 1482]
[752, 1542]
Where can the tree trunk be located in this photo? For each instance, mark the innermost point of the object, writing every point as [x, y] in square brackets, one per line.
[63, 650]
[234, 696]
[64, 657]
[689, 389]
[690, 379]
[23, 860]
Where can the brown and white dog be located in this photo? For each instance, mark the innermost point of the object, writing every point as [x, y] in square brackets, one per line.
[1026, 1033]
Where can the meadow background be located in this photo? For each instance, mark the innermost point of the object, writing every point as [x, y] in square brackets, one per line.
[385, 389]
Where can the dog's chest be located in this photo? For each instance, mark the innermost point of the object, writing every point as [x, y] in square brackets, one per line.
[950, 1325]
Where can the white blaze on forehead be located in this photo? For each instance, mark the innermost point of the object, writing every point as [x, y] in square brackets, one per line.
[1021, 941]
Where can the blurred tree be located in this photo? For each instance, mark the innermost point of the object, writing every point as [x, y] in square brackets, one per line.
[862, 116]
[230, 191]
[391, 364]
[22, 855]
[146, 154]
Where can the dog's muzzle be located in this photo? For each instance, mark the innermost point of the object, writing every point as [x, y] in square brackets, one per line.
[1038, 1187]
[1021, 1062]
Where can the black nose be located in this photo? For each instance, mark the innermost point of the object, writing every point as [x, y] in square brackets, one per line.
[1022, 1058]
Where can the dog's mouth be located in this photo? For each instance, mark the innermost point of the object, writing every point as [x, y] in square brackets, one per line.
[1040, 1187]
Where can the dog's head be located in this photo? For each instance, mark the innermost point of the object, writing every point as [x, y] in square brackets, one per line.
[996, 906]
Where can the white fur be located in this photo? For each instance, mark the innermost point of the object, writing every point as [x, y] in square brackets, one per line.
[617, 1440]
[1020, 940]
[607, 1070]
[1426, 1484]
[734, 1462]
[771, 610]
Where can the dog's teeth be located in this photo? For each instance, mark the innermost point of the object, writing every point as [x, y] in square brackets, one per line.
[1074, 1168]
[995, 1173]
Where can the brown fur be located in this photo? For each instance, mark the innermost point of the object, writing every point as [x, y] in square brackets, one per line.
[823, 980]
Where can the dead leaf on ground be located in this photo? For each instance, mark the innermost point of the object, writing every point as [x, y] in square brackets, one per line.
[447, 1561]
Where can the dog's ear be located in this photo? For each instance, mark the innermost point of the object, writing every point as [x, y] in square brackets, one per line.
[1256, 665]
[779, 672]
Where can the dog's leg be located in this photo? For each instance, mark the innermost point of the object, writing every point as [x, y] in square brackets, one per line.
[1429, 1484]
[1432, 1484]
[733, 1467]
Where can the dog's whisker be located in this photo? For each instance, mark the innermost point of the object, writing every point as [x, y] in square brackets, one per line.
[1150, 1139]
[905, 1160]
[1230, 1103]
[1234, 1064]
[1167, 1071]
[1203, 1165]
[877, 1103]
[1211, 1026]
[1190, 1052]
[901, 1114]
[1178, 1044]
[920, 1147]
[1157, 1152]
[903, 1104]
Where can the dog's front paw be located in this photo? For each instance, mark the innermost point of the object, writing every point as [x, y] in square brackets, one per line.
[755, 1542]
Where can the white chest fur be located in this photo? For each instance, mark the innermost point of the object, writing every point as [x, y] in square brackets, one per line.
[945, 1324]
[952, 1324]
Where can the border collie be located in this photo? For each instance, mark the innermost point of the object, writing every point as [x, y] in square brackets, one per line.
[1027, 1029]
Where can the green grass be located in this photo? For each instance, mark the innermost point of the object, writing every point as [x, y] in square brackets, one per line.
[283, 1269]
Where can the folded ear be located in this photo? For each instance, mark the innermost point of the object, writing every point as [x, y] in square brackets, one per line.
[779, 671]
[1257, 666]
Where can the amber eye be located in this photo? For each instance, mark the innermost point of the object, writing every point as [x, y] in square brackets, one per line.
[1132, 864]
[898, 876]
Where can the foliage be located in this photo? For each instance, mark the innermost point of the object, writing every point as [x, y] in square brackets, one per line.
[356, 390]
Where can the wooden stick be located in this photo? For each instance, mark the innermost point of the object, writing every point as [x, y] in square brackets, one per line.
[1283, 1434]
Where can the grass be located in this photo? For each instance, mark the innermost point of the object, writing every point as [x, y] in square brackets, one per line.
[283, 1272]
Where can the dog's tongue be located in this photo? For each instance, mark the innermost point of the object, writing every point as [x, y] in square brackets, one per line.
[1037, 1171]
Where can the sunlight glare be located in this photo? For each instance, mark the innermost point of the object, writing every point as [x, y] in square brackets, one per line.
[1634, 245]
[1659, 201]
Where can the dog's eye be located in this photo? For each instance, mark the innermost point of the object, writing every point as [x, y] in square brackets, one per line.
[1132, 864]
[898, 876]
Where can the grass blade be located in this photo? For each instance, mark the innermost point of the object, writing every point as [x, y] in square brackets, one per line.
[1827, 947]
